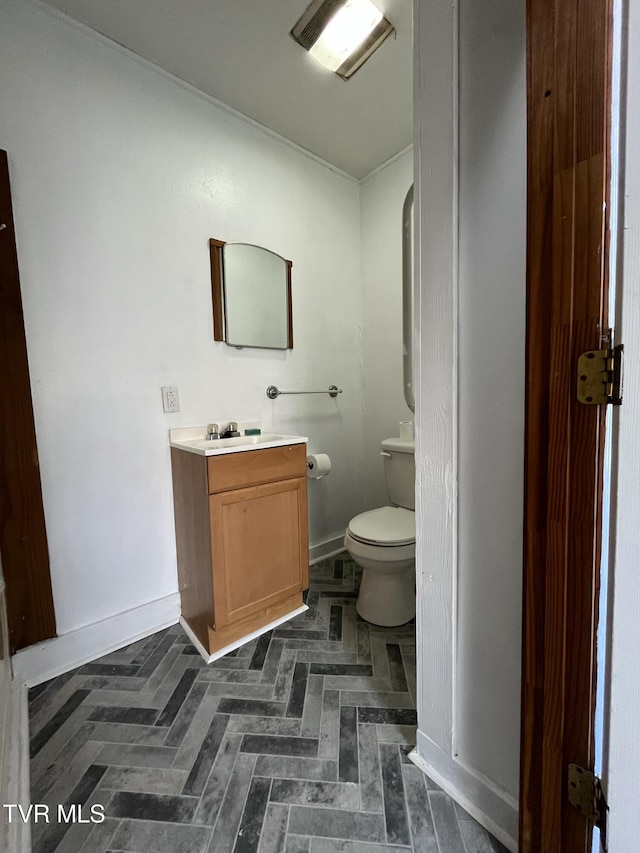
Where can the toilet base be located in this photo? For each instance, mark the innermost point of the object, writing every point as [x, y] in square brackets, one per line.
[387, 598]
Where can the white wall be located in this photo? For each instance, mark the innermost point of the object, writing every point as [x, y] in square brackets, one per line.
[492, 327]
[383, 194]
[622, 745]
[120, 175]
[470, 363]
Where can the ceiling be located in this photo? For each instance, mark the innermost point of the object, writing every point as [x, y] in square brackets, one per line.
[240, 52]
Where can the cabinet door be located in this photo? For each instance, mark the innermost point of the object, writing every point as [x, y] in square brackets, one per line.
[259, 547]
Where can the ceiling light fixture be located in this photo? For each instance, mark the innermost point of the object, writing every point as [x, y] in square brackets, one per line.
[342, 34]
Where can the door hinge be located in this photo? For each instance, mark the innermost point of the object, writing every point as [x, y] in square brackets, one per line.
[600, 377]
[586, 794]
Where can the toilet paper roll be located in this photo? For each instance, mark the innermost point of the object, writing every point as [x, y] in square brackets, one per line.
[406, 430]
[318, 466]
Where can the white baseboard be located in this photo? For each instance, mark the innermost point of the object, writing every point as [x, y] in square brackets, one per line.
[495, 810]
[237, 643]
[329, 547]
[43, 661]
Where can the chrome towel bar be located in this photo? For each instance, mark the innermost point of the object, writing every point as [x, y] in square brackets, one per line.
[273, 392]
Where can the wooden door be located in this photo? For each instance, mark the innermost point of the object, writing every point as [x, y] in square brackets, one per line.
[23, 537]
[568, 97]
[259, 547]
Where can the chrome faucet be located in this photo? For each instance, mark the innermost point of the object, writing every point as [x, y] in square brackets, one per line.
[230, 431]
[212, 431]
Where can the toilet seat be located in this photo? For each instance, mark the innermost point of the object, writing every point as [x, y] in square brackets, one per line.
[386, 527]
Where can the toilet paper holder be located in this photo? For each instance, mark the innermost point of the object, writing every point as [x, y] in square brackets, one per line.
[318, 466]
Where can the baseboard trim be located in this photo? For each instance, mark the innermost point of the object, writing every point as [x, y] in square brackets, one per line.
[496, 811]
[209, 658]
[329, 547]
[43, 661]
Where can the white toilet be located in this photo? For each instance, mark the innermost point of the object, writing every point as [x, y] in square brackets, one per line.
[383, 542]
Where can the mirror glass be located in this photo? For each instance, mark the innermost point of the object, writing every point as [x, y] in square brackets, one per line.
[255, 296]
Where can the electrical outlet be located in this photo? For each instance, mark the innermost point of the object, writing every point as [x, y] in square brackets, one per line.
[170, 399]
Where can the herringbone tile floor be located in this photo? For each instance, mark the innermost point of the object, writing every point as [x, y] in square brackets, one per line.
[295, 743]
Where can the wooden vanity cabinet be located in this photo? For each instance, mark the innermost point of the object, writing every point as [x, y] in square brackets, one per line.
[242, 539]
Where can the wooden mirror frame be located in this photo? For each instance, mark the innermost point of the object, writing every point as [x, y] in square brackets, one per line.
[216, 256]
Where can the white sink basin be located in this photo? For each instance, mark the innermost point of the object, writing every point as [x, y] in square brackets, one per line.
[213, 447]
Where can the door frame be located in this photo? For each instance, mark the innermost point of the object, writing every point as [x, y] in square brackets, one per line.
[23, 536]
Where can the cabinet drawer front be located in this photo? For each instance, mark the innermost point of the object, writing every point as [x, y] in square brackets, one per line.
[253, 467]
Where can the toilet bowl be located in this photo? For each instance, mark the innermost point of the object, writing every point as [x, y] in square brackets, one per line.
[383, 542]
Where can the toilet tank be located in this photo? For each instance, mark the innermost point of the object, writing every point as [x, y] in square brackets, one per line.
[400, 471]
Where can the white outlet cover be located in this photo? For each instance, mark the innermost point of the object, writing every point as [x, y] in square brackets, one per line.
[170, 398]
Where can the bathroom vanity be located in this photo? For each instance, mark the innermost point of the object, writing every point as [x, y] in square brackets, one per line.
[241, 534]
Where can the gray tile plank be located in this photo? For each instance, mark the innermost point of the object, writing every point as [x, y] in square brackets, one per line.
[291, 767]
[226, 827]
[404, 735]
[199, 773]
[297, 844]
[215, 675]
[329, 741]
[216, 786]
[377, 699]
[474, 837]
[280, 745]
[395, 810]
[309, 656]
[196, 731]
[419, 810]
[144, 780]
[370, 777]
[284, 677]
[134, 836]
[338, 795]
[348, 748]
[312, 712]
[157, 807]
[333, 823]
[274, 829]
[248, 837]
[99, 837]
[445, 822]
[130, 755]
[272, 661]
[125, 733]
[264, 725]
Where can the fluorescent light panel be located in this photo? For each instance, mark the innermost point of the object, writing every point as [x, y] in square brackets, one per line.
[342, 34]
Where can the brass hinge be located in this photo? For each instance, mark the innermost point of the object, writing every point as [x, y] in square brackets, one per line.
[586, 794]
[600, 377]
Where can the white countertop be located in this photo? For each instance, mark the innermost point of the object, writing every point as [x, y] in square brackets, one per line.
[193, 440]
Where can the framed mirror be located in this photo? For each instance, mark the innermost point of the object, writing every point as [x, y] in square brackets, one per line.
[251, 291]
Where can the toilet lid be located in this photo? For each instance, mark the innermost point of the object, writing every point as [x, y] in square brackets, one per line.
[388, 525]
